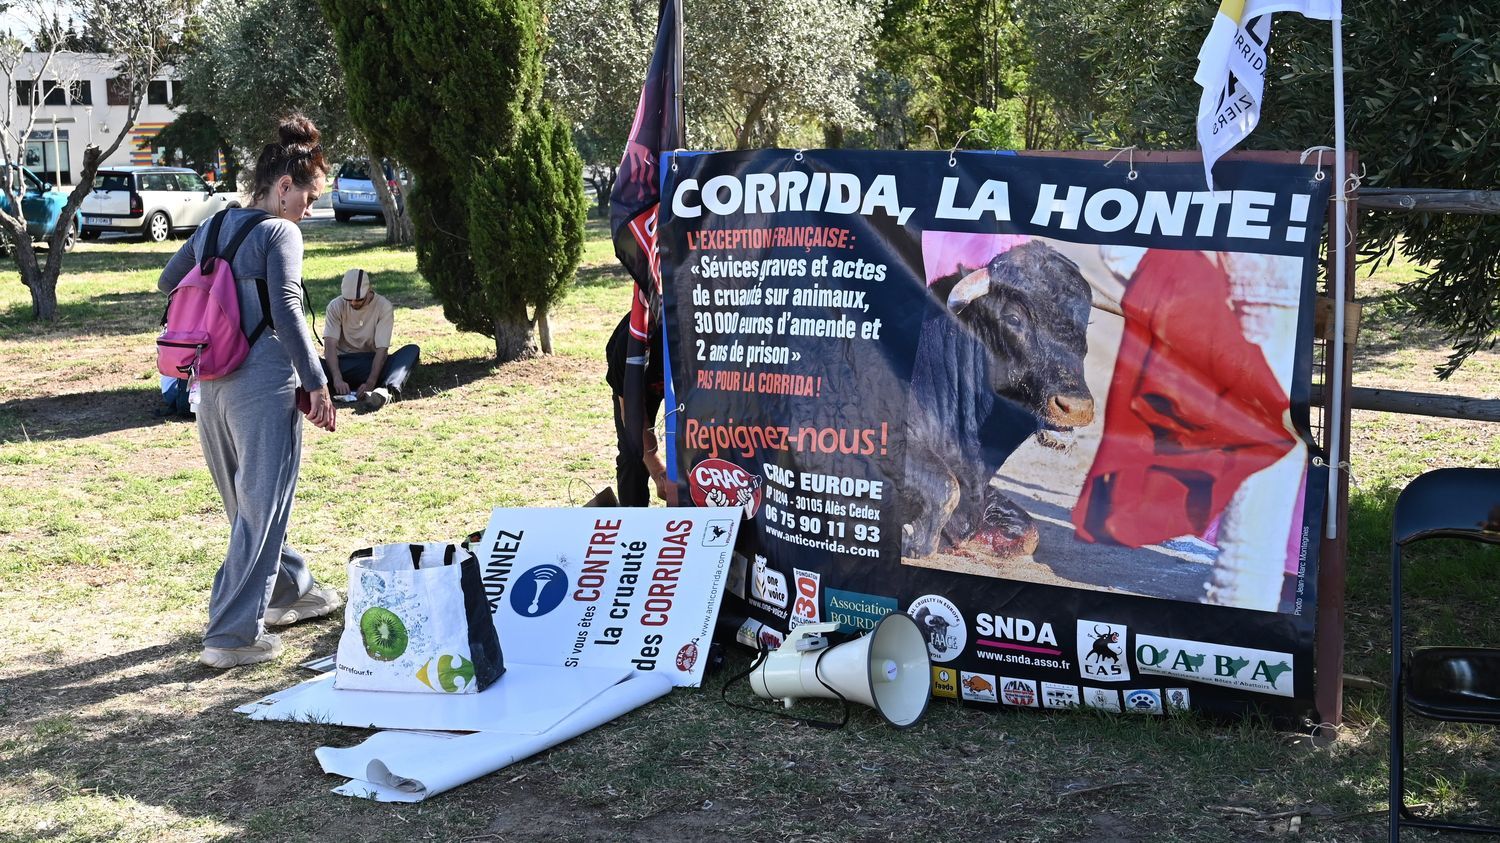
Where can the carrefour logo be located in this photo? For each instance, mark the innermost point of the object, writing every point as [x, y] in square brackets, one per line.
[539, 591]
[1246, 668]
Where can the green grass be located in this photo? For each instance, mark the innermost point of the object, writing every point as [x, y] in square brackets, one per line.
[110, 533]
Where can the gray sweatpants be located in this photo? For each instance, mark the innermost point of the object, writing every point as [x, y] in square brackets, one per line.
[251, 434]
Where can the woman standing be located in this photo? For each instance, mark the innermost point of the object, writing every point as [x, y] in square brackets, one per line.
[248, 420]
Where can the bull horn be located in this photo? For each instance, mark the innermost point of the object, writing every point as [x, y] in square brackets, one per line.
[969, 288]
[1105, 302]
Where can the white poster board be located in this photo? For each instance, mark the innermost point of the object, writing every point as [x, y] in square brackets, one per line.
[609, 587]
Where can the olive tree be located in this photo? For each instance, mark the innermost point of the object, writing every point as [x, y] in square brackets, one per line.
[256, 60]
[753, 71]
[597, 52]
[139, 37]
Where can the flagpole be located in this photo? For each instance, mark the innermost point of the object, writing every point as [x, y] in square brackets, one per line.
[1333, 376]
[677, 77]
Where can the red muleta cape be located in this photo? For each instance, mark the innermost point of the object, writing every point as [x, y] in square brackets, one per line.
[1193, 409]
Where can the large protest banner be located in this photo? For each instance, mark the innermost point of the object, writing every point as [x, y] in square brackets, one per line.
[1057, 411]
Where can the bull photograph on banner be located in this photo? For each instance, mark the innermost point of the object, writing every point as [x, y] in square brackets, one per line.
[1025, 399]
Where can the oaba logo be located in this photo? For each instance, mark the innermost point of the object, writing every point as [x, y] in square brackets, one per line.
[716, 482]
[539, 591]
[979, 687]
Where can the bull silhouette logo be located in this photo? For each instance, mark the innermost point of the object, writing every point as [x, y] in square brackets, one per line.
[1101, 651]
[1103, 647]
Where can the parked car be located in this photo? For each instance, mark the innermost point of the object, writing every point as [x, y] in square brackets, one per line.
[354, 194]
[41, 206]
[150, 201]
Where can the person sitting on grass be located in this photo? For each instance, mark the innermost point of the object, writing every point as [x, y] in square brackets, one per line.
[356, 339]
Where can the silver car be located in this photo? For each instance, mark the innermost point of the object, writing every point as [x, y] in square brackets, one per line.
[354, 194]
[153, 202]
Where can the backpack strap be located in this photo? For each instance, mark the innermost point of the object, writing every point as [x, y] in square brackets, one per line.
[258, 217]
[210, 244]
[265, 312]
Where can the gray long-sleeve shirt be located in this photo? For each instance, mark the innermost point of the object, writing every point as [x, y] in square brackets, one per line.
[272, 251]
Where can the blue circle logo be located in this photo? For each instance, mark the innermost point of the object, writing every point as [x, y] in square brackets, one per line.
[539, 591]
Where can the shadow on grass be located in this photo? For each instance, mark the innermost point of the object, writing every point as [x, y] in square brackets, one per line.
[117, 257]
[115, 314]
[117, 724]
[1387, 327]
[79, 415]
[110, 314]
[435, 378]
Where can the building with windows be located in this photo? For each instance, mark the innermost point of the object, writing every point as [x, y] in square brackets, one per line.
[78, 99]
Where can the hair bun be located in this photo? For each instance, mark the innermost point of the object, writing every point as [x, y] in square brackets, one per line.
[297, 129]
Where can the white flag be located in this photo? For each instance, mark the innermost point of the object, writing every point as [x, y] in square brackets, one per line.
[1232, 70]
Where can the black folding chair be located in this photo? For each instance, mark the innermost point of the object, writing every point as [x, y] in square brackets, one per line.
[1454, 684]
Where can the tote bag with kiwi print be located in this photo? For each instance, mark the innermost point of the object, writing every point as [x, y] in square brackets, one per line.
[416, 620]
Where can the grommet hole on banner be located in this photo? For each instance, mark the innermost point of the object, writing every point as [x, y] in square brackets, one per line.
[674, 158]
[1319, 175]
[1129, 152]
[1344, 466]
[798, 156]
[1351, 181]
[659, 429]
[953, 153]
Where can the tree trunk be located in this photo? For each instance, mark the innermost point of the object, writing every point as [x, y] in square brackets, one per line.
[513, 336]
[397, 223]
[43, 293]
[544, 329]
[604, 185]
[753, 111]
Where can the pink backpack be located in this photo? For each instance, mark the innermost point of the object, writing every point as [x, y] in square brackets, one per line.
[201, 326]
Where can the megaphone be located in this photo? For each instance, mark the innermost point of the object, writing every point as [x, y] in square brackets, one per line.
[888, 669]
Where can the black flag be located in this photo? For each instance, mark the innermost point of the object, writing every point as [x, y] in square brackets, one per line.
[633, 202]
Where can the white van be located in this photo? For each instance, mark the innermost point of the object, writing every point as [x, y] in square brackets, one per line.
[150, 201]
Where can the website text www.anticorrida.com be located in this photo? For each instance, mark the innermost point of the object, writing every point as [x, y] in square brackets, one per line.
[823, 544]
[1029, 661]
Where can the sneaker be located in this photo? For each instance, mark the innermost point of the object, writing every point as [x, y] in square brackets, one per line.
[376, 398]
[319, 600]
[265, 648]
